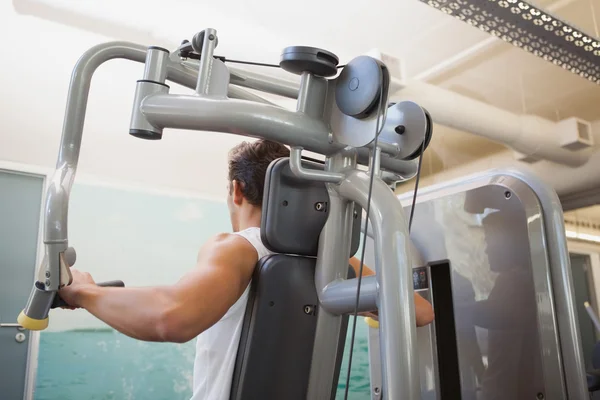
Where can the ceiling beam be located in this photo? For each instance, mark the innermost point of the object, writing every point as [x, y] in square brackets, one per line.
[470, 54]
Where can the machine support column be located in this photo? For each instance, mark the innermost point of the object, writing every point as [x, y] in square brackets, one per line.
[332, 265]
[394, 277]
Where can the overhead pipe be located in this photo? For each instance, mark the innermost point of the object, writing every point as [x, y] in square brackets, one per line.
[567, 182]
[535, 137]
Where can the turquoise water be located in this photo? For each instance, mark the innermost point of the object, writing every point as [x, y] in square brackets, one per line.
[106, 365]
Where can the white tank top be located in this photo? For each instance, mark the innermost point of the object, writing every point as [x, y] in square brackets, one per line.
[216, 348]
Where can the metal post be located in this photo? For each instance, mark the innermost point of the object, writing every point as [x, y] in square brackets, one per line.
[311, 98]
[155, 69]
[394, 276]
[374, 359]
[375, 161]
[311, 174]
[405, 169]
[35, 314]
[206, 60]
[332, 264]
[340, 297]
[153, 82]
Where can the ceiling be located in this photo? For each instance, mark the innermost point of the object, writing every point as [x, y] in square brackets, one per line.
[510, 78]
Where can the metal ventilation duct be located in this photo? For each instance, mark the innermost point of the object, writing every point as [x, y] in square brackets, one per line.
[532, 29]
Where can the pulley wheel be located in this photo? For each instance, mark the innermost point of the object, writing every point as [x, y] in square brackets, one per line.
[409, 125]
[358, 87]
[198, 42]
[300, 59]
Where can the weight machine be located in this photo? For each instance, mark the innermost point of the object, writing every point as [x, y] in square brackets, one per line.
[343, 113]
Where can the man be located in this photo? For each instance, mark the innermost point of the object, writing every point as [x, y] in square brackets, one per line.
[209, 301]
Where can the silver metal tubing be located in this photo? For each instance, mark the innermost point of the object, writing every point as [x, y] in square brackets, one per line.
[206, 60]
[405, 169]
[374, 363]
[57, 196]
[11, 325]
[182, 74]
[138, 122]
[239, 117]
[57, 199]
[390, 179]
[332, 265]
[311, 98]
[392, 149]
[235, 92]
[340, 297]
[156, 65]
[566, 309]
[39, 302]
[394, 277]
[186, 74]
[314, 175]
[250, 119]
[375, 163]
[285, 126]
[366, 228]
[264, 83]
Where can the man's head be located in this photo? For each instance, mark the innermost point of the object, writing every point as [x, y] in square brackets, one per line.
[248, 163]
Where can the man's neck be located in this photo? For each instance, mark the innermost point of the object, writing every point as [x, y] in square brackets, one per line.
[250, 219]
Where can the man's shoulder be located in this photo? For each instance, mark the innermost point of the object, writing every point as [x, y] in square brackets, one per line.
[229, 243]
[226, 240]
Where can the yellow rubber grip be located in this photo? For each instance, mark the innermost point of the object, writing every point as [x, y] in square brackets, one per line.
[372, 323]
[31, 323]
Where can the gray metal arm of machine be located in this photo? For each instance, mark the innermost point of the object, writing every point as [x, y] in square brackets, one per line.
[394, 278]
[331, 119]
[283, 126]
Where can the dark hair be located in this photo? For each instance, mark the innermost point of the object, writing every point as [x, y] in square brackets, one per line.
[248, 163]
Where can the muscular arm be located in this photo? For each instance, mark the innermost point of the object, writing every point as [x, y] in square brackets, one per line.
[176, 313]
[423, 310]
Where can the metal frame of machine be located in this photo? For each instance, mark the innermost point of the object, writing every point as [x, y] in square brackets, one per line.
[333, 118]
[346, 118]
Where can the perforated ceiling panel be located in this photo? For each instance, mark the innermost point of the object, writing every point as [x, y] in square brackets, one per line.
[531, 29]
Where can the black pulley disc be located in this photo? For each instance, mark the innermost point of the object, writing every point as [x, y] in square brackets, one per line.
[409, 125]
[358, 87]
[300, 59]
[428, 136]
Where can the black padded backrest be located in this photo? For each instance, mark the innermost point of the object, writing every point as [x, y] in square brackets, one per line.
[295, 210]
[278, 332]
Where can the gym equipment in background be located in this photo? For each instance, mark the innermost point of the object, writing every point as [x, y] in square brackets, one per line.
[343, 118]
